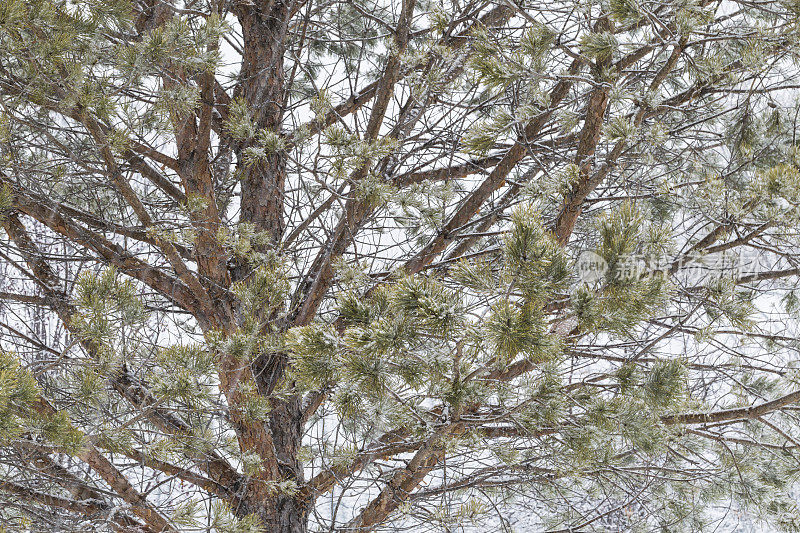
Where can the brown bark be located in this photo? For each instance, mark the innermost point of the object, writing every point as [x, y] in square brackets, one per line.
[262, 86]
[590, 136]
[262, 80]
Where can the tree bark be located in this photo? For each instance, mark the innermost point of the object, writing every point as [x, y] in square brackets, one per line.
[262, 87]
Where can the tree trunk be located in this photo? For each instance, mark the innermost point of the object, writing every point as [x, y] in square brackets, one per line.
[262, 86]
[290, 513]
[290, 517]
[281, 512]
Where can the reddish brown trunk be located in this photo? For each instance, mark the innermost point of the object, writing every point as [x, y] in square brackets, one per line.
[262, 86]
[283, 512]
[288, 513]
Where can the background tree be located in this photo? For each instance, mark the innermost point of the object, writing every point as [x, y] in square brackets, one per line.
[311, 265]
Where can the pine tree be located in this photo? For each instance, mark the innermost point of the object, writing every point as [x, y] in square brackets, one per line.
[292, 266]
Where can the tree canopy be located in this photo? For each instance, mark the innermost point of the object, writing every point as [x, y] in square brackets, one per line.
[399, 265]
